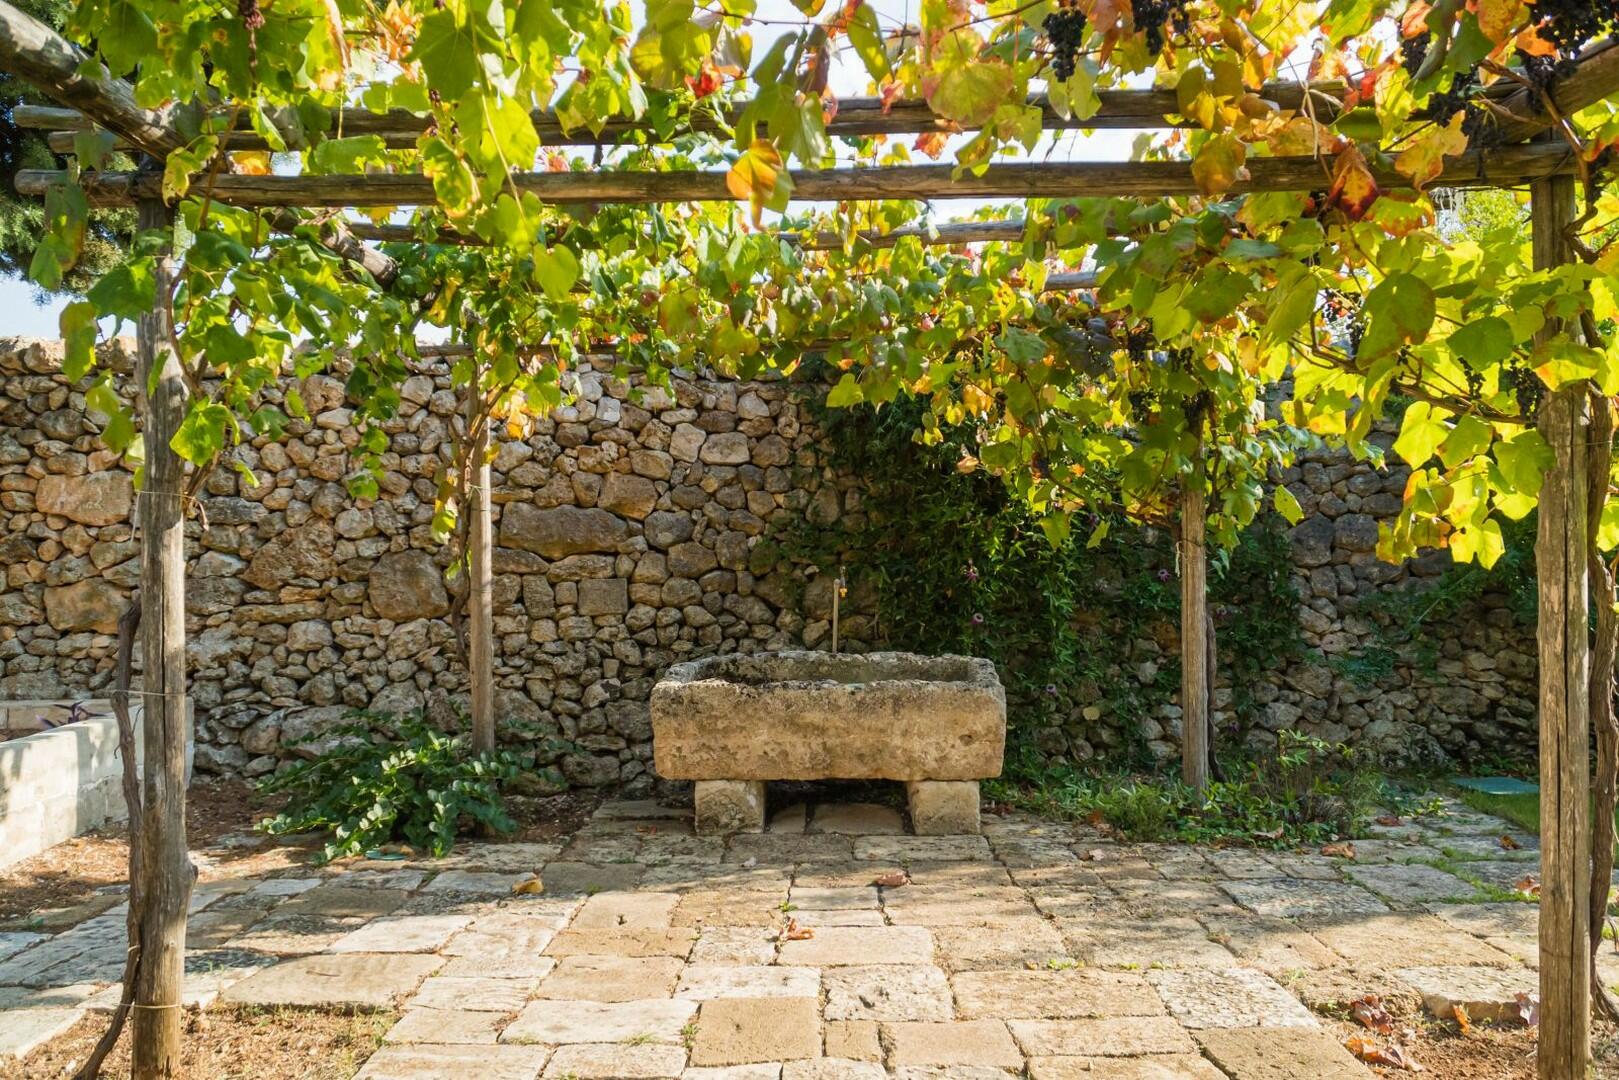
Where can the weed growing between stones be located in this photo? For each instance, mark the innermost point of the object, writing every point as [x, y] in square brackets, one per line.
[379, 779]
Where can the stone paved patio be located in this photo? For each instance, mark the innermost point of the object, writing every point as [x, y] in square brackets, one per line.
[1038, 949]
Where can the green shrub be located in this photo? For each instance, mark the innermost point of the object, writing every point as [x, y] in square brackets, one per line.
[389, 778]
[1307, 792]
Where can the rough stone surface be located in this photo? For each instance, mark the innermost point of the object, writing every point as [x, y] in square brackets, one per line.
[408, 585]
[736, 1031]
[1490, 995]
[1281, 1054]
[943, 807]
[454, 1063]
[356, 979]
[814, 716]
[723, 807]
[1232, 998]
[953, 1044]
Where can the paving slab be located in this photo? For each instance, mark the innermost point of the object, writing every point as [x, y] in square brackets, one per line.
[708, 907]
[1232, 998]
[1408, 938]
[1501, 919]
[15, 941]
[1413, 884]
[832, 1069]
[1291, 898]
[360, 980]
[841, 917]
[736, 1031]
[856, 819]
[337, 901]
[610, 978]
[887, 992]
[834, 946]
[653, 1020]
[1270, 944]
[778, 849]
[21, 1030]
[1019, 943]
[933, 848]
[952, 1043]
[587, 879]
[479, 882]
[402, 934]
[424, 1062]
[446, 1026]
[473, 993]
[814, 899]
[855, 1040]
[1156, 1067]
[1143, 899]
[956, 1072]
[706, 982]
[1111, 1037]
[664, 941]
[748, 945]
[1280, 1054]
[768, 1070]
[1032, 995]
[640, 810]
[626, 910]
[609, 1061]
[1519, 847]
[1179, 941]
[1490, 995]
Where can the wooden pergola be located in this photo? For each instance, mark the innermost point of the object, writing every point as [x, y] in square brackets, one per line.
[32, 51]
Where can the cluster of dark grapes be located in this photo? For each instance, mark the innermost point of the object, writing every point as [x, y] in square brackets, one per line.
[1142, 403]
[1413, 51]
[1065, 30]
[1475, 381]
[1569, 24]
[1139, 344]
[1526, 387]
[1150, 17]
[1195, 407]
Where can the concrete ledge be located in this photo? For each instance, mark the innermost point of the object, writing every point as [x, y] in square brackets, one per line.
[62, 781]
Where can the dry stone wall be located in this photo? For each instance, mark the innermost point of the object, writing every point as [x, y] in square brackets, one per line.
[627, 529]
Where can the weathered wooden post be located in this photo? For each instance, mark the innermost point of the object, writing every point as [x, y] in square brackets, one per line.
[165, 866]
[1565, 756]
[480, 582]
[1194, 574]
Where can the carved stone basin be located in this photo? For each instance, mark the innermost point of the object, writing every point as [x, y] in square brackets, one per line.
[733, 722]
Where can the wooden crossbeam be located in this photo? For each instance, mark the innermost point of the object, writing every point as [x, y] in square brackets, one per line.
[1504, 167]
[938, 234]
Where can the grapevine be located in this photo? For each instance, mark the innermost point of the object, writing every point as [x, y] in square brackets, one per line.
[1065, 30]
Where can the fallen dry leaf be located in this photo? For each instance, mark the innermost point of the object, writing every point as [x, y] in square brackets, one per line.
[1529, 1008]
[1391, 821]
[1462, 1019]
[794, 932]
[1529, 885]
[529, 886]
[892, 880]
[1374, 1053]
[1510, 844]
[1341, 850]
[1094, 855]
[1370, 1012]
[646, 830]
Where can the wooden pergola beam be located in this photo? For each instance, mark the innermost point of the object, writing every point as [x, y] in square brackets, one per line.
[33, 51]
[1523, 114]
[945, 233]
[1504, 167]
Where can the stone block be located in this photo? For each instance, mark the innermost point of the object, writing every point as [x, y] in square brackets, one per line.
[359, 980]
[943, 807]
[818, 716]
[449, 1062]
[728, 806]
[953, 1044]
[1281, 1054]
[737, 1031]
[556, 1022]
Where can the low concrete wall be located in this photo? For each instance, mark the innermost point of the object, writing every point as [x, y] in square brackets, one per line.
[63, 781]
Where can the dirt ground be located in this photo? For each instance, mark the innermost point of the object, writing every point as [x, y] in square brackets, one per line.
[234, 1044]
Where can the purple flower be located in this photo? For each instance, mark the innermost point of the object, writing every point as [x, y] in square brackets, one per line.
[978, 619]
[1163, 576]
[1051, 688]
[972, 573]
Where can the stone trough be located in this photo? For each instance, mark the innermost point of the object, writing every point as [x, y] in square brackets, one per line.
[732, 723]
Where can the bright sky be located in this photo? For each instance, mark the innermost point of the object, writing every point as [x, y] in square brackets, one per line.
[21, 315]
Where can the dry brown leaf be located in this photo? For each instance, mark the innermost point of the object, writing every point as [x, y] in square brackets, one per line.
[794, 932]
[1510, 844]
[1374, 1053]
[892, 880]
[1529, 1008]
[1370, 1012]
[1462, 1019]
[1529, 885]
[530, 886]
[1391, 821]
[1341, 850]
[1094, 855]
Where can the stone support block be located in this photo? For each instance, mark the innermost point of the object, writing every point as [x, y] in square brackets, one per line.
[729, 806]
[943, 807]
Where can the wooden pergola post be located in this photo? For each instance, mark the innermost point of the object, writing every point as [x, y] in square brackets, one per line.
[165, 865]
[480, 580]
[1194, 567]
[1565, 755]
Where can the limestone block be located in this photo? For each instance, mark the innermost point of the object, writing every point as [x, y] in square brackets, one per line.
[818, 716]
[943, 807]
[729, 806]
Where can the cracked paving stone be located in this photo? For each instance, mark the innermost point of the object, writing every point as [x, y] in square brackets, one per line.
[473, 994]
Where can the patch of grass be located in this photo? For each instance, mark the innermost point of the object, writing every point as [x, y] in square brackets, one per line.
[1523, 809]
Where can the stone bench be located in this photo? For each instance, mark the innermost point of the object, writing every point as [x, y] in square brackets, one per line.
[732, 723]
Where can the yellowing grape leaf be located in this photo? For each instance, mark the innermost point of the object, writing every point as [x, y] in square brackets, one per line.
[970, 93]
[1498, 18]
[1424, 159]
[1219, 164]
[1354, 189]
